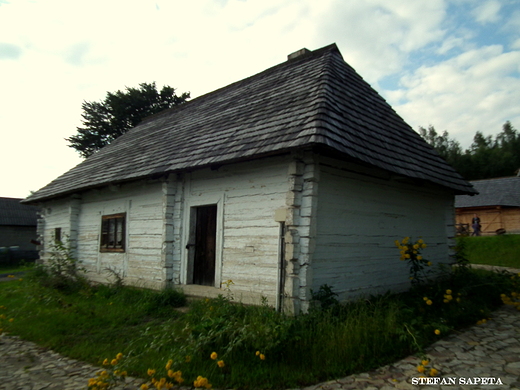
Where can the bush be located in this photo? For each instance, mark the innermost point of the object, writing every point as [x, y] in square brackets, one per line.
[61, 272]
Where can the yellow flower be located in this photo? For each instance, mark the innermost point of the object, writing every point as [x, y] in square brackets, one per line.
[419, 257]
[429, 263]
[425, 299]
[433, 372]
[448, 292]
[257, 353]
[397, 243]
[425, 362]
[169, 364]
[262, 356]
[220, 363]
[213, 356]
[201, 382]
[437, 332]
[11, 319]
[420, 368]
[144, 386]
[420, 241]
[188, 359]
[429, 302]
[113, 362]
[151, 372]
[119, 356]
[105, 362]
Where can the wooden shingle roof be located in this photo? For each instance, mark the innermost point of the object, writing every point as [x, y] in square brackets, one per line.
[503, 191]
[313, 100]
[13, 213]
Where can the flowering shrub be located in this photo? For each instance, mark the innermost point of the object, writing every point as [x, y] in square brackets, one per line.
[110, 376]
[411, 252]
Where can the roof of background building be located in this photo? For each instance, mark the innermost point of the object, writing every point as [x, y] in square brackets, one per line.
[13, 213]
[503, 191]
[314, 99]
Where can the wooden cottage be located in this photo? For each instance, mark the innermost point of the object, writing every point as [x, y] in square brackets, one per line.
[296, 177]
[497, 205]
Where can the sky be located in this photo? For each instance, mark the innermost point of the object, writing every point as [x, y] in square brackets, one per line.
[453, 64]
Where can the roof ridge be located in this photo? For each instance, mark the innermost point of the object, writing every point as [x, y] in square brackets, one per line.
[290, 62]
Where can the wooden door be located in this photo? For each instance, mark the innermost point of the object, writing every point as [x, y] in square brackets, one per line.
[205, 245]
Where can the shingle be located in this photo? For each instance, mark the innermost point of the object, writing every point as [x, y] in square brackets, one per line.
[315, 100]
[504, 191]
[13, 213]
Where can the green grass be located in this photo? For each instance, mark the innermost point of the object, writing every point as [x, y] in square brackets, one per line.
[14, 268]
[91, 323]
[501, 251]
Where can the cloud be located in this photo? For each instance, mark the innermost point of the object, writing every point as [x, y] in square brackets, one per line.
[475, 90]
[9, 51]
[377, 36]
[487, 12]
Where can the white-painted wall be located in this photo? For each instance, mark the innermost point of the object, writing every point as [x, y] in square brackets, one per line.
[358, 219]
[341, 224]
[247, 196]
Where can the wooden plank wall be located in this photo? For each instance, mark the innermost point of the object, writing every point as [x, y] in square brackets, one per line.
[492, 218]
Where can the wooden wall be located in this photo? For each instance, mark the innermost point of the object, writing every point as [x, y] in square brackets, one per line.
[247, 196]
[492, 218]
[360, 217]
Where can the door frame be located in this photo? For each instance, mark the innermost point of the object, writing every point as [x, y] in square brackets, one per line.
[189, 221]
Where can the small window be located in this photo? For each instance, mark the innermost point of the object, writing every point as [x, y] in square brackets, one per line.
[57, 235]
[113, 233]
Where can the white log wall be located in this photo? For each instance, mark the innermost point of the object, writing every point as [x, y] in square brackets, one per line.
[341, 224]
[249, 194]
[360, 217]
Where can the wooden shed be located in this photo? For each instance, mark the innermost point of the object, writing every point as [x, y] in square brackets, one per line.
[497, 205]
[299, 176]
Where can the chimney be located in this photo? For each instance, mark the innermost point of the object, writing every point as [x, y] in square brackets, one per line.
[298, 54]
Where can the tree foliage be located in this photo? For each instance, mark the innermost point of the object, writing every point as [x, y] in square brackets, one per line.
[486, 158]
[106, 120]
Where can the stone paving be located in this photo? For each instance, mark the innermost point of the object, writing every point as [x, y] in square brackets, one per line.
[490, 350]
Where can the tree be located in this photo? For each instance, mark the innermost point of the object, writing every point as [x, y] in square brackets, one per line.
[448, 149]
[106, 120]
[486, 157]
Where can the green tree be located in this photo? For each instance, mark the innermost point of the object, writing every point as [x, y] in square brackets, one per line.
[449, 149]
[106, 120]
[486, 157]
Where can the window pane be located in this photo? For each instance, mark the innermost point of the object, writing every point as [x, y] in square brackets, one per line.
[113, 232]
[119, 233]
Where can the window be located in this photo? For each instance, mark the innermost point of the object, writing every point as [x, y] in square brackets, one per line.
[113, 233]
[57, 235]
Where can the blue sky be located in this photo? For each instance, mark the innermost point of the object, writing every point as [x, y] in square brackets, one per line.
[454, 64]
